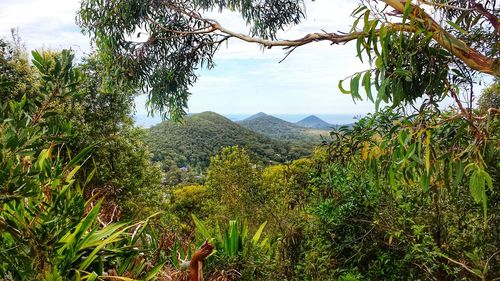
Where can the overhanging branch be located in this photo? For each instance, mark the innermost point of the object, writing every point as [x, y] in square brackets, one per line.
[458, 48]
[471, 57]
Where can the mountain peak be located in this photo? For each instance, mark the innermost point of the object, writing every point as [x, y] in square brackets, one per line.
[313, 121]
[255, 116]
[311, 118]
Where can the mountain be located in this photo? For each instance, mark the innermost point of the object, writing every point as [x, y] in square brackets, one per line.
[202, 135]
[315, 122]
[256, 116]
[282, 130]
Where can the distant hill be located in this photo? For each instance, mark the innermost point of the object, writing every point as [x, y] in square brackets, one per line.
[282, 130]
[255, 116]
[202, 135]
[315, 122]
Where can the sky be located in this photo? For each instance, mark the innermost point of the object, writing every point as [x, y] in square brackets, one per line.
[246, 79]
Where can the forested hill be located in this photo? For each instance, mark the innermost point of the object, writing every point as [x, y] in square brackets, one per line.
[199, 136]
[282, 130]
[315, 122]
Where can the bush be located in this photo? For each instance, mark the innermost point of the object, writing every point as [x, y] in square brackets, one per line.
[48, 230]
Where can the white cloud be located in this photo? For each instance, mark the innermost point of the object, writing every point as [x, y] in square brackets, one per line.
[43, 24]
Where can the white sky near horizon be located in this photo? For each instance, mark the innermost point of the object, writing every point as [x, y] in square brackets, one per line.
[246, 79]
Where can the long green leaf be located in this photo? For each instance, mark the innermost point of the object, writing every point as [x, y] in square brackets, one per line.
[368, 85]
[154, 271]
[256, 236]
[201, 228]
[93, 255]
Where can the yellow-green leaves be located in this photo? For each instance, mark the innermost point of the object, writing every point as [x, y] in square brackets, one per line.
[258, 233]
[342, 90]
[201, 228]
[71, 174]
[457, 27]
[479, 180]
[407, 10]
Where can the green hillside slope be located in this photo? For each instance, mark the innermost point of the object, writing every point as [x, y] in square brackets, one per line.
[203, 135]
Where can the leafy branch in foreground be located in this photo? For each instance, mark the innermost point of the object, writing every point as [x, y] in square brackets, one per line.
[453, 41]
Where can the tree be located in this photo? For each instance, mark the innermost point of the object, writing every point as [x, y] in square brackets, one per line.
[419, 182]
[48, 230]
[189, 200]
[416, 48]
[490, 98]
[16, 76]
[232, 183]
[98, 114]
[286, 190]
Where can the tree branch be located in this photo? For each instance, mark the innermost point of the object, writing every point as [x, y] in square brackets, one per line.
[489, 16]
[309, 38]
[464, 266]
[471, 57]
[203, 30]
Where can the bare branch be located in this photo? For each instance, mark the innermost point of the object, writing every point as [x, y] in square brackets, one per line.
[464, 266]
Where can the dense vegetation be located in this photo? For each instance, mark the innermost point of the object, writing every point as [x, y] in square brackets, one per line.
[54, 222]
[408, 193]
[200, 136]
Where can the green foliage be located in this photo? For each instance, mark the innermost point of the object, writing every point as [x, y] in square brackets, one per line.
[168, 68]
[16, 77]
[200, 136]
[232, 182]
[490, 98]
[100, 114]
[49, 231]
[418, 151]
[393, 197]
[234, 240]
[236, 249]
[286, 191]
[401, 75]
[189, 200]
[397, 193]
[412, 55]
[412, 59]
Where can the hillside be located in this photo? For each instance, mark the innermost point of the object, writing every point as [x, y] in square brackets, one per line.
[315, 122]
[282, 130]
[203, 135]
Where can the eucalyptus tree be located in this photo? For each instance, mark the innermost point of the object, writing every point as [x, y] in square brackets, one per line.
[422, 50]
[419, 51]
[416, 48]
